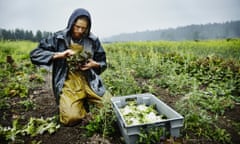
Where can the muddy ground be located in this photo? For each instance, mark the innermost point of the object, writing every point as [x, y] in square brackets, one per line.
[45, 106]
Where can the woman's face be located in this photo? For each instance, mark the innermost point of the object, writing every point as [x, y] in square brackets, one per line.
[79, 28]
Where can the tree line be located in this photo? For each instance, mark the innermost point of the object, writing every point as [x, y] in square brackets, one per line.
[20, 34]
[191, 32]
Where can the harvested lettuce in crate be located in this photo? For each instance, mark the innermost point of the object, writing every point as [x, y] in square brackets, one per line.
[134, 114]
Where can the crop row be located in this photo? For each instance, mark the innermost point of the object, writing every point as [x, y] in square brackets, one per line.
[201, 80]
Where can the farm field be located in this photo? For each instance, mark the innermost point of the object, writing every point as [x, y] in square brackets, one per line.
[199, 79]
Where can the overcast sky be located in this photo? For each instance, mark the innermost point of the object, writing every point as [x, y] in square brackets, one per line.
[111, 17]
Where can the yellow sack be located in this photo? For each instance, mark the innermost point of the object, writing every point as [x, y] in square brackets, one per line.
[75, 91]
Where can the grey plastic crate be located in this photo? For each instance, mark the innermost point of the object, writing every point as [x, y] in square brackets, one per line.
[173, 123]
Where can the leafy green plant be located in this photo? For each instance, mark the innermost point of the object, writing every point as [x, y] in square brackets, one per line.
[120, 82]
[102, 121]
[3, 103]
[27, 104]
[221, 135]
[34, 127]
[10, 134]
[37, 126]
[152, 135]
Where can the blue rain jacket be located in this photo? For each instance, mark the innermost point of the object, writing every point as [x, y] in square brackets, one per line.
[60, 41]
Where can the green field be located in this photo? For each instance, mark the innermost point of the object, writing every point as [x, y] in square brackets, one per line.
[199, 79]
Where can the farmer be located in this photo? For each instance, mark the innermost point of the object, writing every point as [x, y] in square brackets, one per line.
[74, 80]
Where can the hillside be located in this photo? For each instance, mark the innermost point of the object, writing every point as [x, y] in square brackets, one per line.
[190, 32]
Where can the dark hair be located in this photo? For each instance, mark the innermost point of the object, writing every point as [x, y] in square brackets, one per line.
[86, 18]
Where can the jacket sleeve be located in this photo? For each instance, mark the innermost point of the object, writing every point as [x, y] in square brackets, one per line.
[100, 57]
[42, 55]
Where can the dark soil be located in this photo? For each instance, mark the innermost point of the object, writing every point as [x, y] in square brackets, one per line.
[45, 106]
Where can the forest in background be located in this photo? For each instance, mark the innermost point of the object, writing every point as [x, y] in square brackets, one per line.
[192, 32]
[21, 34]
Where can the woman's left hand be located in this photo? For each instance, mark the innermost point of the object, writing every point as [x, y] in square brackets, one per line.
[89, 64]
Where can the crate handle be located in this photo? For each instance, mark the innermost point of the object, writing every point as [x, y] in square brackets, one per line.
[131, 99]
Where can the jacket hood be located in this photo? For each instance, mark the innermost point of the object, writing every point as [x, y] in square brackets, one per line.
[77, 13]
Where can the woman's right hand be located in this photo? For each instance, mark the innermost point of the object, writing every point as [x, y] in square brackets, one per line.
[64, 54]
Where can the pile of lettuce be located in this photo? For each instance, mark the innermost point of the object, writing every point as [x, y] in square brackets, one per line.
[135, 114]
[79, 58]
[34, 127]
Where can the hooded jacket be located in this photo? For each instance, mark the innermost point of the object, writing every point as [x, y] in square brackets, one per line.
[59, 42]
